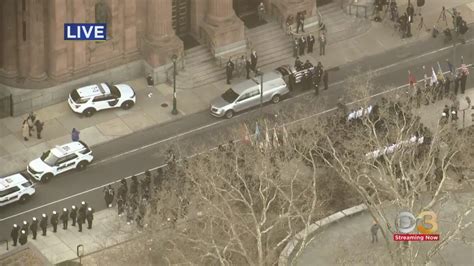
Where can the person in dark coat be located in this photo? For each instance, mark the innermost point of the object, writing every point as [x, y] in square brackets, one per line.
[306, 81]
[229, 69]
[457, 82]
[296, 48]
[120, 206]
[463, 82]
[299, 22]
[64, 218]
[14, 234]
[34, 227]
[254, 60]
[307, 65]
[73, 215]
[310, 41]
[322, 44]
[23, 237]
[447, 86]
[39, 128]
[134, 187]
[298, 64]
[109, 194]
[325, 79]
[89, 217]
[123, 190]
[44, 223]
[302, 45]
[54, 221]
[25, 227]
[248, 67]
[315, 80]
[81, 218]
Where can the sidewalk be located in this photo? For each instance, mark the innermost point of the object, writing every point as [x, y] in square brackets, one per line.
[108, 125]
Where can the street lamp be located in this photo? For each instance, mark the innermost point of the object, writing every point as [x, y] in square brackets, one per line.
[174, 111]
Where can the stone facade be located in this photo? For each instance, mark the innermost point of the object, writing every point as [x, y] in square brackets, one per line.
[34, 54]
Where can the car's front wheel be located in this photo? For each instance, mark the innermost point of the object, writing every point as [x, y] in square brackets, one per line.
[89, 112]
[229, 114]
[46, 178]
[24, 198]
[81, 165]
[127, 105]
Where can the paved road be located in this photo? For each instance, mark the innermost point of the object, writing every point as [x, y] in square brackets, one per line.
[110, 166]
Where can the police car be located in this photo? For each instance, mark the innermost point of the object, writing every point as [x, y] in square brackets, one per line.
[15, 188]
[90, 99]
[74, 155]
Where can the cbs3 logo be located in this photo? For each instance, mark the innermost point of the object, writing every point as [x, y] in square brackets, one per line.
[426, 222]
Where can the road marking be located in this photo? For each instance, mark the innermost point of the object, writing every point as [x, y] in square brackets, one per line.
[216, 123]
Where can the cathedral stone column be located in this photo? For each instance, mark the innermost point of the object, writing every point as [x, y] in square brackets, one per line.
[57, 47]
[8, 21]
[37, 40]
[160, 41]
[225, 31]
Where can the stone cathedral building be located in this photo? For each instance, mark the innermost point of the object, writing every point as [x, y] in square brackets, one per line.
[142, 35]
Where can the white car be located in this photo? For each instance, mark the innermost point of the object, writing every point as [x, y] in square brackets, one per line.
[15, 188]
[90, 99]
[74, 155]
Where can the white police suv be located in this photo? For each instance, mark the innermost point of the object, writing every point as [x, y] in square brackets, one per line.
[90, 99]
[15, 188]
[74, 155]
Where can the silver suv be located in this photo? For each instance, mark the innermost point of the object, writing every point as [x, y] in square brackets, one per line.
[246, 94]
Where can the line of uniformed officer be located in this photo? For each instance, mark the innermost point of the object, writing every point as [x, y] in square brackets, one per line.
[21, 234]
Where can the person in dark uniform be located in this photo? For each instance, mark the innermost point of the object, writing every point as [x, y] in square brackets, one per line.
[109, 194]
[248, 67]
[23, 237]
[315, 80]
[310, 40]
[120, 206]
[25, 227]
[296, 48]
[463, 82]
[325, 79]
[292, 81]
[34, 227]
[73, 215]
[299, 22]
[134, 187]
[39, 128]
[447, 86]
[229, 69]
[254, 60]
[319, 71]
[307, 65]
[83, 208]
[302, 45]
[44, 223]
[306, 81]
[89, 217]
[298, 64]
[322, 44]
[54, 221]
[457, 81]
[64, 218]
[14, 234]
[123, 190]
[81, 216]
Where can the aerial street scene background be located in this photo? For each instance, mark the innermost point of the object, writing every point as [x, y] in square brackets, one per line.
[236, 132]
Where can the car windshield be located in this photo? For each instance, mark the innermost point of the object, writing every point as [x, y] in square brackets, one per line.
[114, 91]
[49, 158]
[230, 96]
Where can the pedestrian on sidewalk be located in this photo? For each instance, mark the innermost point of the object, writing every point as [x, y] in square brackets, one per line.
[373, 231]
[75, 134]
[44, 223]
[322, 44]
[23, 237]
[109, 194]
[34, 227]
[64, 218]
[89, 217]
[229, 68]
[302, 45]
[261, 12]
[254, 60]
[296, 47]
[14, 234]
[31, 122]
[310, 40]
[299, 22]
[73, 215]
[39, 128]
[248, 67]
[54, 221]
[25, 130]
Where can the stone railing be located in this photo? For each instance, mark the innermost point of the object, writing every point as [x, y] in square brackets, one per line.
[287, 253]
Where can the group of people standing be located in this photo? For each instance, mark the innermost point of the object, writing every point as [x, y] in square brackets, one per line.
[30, 125]
[311, 76]
[250, 65]
[307, 42]
[79, 216]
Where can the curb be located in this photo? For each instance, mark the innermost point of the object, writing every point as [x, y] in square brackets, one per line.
[285, 255]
